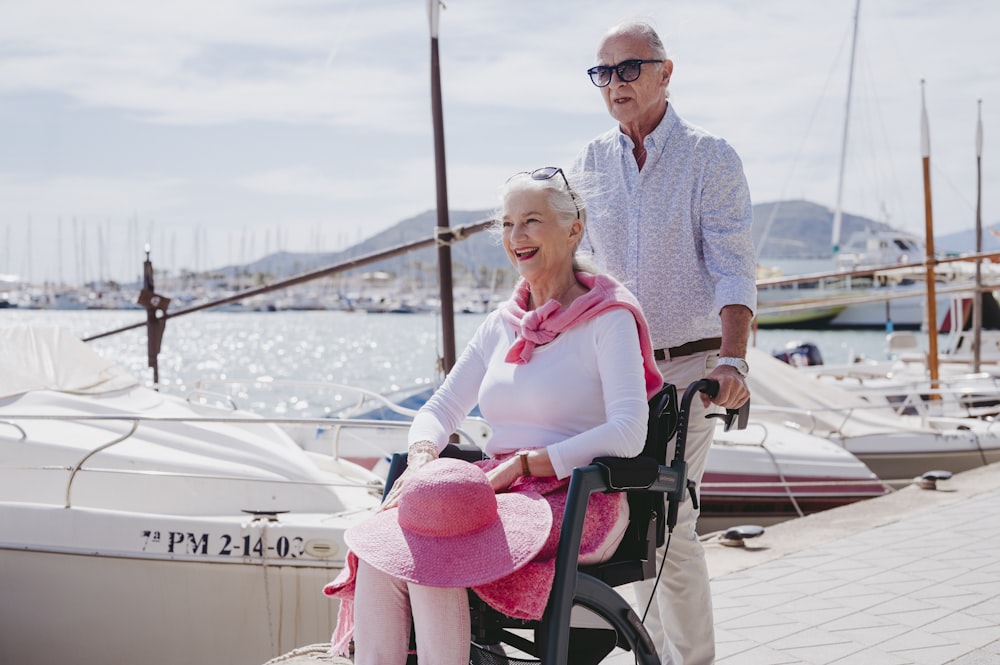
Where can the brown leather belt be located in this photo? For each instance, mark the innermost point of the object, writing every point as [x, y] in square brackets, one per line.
[697, 346]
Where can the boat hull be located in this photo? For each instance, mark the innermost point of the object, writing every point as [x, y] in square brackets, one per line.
[807, 319]
[61, 608]
[901, 467]
[770, 473]
[97, 586]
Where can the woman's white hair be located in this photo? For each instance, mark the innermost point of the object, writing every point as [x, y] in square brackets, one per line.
[568, 204]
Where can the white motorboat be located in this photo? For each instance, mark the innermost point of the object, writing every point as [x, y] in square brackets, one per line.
[139, 527]
[771, 472]
[896, 445]
[902, 380]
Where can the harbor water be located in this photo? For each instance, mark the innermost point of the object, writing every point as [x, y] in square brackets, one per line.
[378, 352]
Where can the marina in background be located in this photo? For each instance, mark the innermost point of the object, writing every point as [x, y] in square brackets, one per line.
[382, 353]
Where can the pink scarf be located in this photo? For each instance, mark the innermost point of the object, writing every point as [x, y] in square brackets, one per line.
[542, 325]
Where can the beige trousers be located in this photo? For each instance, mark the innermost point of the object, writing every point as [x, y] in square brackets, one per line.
[680, 618]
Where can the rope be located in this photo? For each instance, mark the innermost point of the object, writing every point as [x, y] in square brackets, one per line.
[781, 476]
[445, 236]
[267, 586]
[319, 653]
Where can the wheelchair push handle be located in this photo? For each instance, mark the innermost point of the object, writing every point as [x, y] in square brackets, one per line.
[732, 418]
[707, 386]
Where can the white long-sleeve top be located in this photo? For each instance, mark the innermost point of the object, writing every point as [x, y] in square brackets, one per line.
[581, 396]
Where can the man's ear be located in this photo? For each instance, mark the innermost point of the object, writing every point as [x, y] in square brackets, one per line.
[667, 69]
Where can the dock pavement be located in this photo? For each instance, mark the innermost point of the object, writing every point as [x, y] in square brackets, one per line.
[909, 578]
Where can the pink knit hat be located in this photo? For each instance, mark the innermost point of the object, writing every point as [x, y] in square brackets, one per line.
[451, 530]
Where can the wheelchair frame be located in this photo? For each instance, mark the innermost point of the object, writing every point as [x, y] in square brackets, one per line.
[652, 486]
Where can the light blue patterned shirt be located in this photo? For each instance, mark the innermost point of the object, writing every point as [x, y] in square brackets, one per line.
[677, 233]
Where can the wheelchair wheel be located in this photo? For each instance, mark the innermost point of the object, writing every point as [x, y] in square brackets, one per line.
[593, 640]
[481, 655]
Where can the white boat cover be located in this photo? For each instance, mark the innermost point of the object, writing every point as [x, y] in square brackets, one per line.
[51, 358]
[831, 408]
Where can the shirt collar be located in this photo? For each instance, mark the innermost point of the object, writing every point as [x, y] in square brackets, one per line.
[658, 136]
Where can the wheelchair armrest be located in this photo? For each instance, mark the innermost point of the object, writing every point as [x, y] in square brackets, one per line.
[628, 473]
[641, 473]
[603, 475]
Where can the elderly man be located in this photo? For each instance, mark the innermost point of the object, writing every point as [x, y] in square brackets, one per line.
[672, 221]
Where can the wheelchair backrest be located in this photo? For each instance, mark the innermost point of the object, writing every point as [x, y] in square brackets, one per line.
[663, 418]
[635, 557]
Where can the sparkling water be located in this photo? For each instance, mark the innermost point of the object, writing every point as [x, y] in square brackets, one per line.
[384, 353]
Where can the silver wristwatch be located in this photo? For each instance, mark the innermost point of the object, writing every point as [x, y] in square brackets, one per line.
[738, 363]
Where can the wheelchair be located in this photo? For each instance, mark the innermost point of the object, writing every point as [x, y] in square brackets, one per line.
[655, 490]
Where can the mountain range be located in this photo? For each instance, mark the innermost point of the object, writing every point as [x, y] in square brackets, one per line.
[781, 230]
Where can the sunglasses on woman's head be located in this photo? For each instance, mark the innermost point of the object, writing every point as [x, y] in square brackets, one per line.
[547, 173]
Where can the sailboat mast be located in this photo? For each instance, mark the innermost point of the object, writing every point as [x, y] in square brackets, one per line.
[925, 154]
[977, 303]
[838, 212]
[443, 227]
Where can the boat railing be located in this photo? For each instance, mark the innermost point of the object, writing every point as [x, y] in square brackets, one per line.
[199, 396]
[847, 296]
[358, 399]
[342, 403]
[967, 400]
[20, 429]
[79, 465]
[751, 426]
[808, 419]
[873, 271]
[812, 421]
[969, 395]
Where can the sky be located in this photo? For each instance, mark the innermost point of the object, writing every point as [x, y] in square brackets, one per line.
[218, 132]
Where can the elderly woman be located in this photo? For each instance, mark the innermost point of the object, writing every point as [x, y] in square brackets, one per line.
[562, 372]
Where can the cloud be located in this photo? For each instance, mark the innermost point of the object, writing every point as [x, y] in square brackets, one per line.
[87, 197]
[255, 113]
[221, 62]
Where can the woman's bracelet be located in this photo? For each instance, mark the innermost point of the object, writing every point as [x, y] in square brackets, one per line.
[525, 469]
[425, 447]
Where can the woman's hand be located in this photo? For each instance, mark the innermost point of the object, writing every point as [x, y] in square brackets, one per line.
[419, 453]
[535, 462]
[504, 474]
